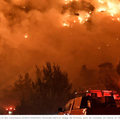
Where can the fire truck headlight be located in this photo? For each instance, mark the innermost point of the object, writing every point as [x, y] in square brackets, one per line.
[84, 111]
[9, 112]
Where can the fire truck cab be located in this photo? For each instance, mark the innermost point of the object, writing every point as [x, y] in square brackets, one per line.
[100, 93]
[93, 102]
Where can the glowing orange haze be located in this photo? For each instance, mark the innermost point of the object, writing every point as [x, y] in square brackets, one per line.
[35, 31]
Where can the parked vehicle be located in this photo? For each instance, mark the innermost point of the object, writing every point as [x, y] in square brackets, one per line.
[91, 104]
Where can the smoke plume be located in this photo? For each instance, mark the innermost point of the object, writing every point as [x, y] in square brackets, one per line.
[68, 33]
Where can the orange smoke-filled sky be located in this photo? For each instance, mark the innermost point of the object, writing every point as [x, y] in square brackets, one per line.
[35, 31]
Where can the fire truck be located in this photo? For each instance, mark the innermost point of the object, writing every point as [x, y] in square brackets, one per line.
[92, 102]
[99, 93]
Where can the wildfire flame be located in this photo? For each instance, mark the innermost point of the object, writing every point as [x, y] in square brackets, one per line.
[110, 8]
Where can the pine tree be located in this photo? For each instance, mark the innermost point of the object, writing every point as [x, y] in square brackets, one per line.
[54, 88]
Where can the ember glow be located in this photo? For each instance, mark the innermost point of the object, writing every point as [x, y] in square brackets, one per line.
[26, 36]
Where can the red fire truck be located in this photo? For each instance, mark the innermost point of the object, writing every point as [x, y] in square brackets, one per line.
[93, 102]
[99, 93]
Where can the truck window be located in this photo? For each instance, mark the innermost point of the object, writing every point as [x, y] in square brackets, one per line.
[68, 105]
[84, 102]
[94, 95]
[77, 103]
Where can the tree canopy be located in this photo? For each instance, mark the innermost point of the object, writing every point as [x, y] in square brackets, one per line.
[50, 90]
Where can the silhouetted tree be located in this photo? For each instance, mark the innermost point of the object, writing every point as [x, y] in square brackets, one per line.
[87, 77]
[105, 67]
[112, 83]
[104, 70]
[23, 86]
[54, 88]
[108, 76]
[23, 90]
[118, 68]
[43, 96]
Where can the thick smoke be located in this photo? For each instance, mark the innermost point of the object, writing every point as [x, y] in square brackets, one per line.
[31, 33]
